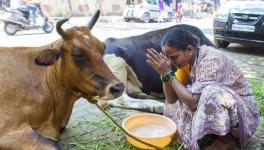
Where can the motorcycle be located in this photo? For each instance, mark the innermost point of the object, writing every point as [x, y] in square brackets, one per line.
[19, 20]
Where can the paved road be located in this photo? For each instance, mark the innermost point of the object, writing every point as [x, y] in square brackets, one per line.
[250, 59]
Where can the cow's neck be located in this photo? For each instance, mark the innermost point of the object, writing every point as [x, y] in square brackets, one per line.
[60, 99]
[58, 88]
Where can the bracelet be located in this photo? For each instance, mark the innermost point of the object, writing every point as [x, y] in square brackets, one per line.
[167, 77]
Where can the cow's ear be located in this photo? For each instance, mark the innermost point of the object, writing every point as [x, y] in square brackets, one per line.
[47, 57]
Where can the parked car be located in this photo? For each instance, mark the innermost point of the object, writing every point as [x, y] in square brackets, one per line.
[207, 6]
[145, 10]
[239, 22]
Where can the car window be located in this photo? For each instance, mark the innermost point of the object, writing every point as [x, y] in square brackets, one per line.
[132, 2]
[152, 2]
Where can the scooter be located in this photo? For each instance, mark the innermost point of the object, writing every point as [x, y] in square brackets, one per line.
[19, 20]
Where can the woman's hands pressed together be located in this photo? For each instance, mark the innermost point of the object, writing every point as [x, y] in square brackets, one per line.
[158, 61]
[174, 89]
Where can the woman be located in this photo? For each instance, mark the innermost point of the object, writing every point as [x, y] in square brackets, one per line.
[179, 11]
[161, 10]
[208, 97]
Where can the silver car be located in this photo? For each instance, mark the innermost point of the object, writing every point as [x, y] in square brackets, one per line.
[146, 10]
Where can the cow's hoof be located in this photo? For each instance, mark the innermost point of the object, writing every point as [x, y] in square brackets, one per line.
[142, 96]
[103, 104]
[62, 129]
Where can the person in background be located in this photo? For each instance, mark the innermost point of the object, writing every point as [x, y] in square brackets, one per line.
[196, 10]
[209, 99]
[216, 4]
[179, 11]
[161, 10]
[31, 5]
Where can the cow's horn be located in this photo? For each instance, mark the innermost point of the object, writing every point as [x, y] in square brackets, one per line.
[93, 20]
[59, 29]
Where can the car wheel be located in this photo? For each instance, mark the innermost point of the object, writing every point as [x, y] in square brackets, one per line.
[146, 18]
[170, 16]
[127, 19]
[221, 44]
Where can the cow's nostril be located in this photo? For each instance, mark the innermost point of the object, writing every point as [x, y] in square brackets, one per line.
[117, 89]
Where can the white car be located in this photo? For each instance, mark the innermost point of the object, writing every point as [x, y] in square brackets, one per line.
[146, 10]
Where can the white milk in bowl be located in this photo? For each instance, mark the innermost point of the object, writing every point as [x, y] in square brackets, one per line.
[150, 131]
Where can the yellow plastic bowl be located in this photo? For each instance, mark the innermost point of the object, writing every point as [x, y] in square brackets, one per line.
[154, 129]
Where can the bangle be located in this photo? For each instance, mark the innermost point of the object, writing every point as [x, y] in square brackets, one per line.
[167, 77]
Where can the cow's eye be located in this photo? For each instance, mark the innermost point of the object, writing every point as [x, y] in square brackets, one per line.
[80, 58]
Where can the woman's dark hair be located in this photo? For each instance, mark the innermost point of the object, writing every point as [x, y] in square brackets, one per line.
[180, 39]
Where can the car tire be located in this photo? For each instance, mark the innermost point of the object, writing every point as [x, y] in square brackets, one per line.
[170, 16]
[146, 17]
[221, 43]
[127, 19]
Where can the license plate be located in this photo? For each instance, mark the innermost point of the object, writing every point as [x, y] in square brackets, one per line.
[245, 28]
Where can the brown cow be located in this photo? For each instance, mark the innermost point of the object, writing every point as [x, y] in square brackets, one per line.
[40, 85]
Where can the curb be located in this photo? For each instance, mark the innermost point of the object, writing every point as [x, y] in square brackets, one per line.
[106, 19]
[101, 19]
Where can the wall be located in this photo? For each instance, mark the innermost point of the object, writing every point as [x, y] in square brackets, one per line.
[83, 7]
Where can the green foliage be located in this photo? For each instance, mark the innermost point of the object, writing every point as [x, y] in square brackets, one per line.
[112, 138]
[257, 87]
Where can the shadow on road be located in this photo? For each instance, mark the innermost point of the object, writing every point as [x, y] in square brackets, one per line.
[249, 50]
[36, 33]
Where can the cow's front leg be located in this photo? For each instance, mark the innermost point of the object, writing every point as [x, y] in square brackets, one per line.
[148, 105]
[26, 139]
